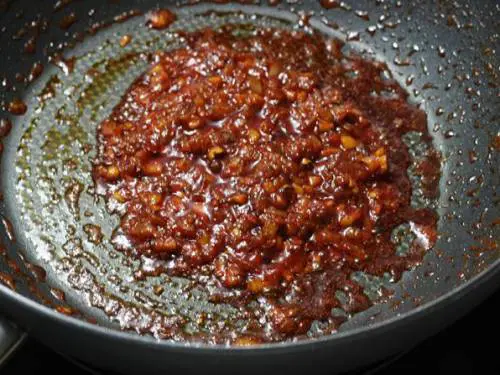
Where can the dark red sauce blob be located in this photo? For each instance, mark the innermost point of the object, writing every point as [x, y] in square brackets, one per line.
[272, 163]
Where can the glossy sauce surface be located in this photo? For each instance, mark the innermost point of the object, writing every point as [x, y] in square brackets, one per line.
[271, 164]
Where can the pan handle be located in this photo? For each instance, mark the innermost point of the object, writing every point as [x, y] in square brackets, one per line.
[10, 339]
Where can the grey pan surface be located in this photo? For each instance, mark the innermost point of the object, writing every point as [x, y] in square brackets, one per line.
[444, 53]
[465, 347]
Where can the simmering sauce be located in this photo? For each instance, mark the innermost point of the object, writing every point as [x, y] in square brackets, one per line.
[273, 164]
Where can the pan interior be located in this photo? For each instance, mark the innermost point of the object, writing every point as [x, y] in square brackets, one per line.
[65, 228]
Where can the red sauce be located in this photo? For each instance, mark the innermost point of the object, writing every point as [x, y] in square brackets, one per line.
[270, 163]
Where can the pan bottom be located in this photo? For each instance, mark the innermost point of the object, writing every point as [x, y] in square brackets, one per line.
[60, 221]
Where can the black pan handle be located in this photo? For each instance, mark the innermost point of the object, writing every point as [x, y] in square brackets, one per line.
[10, 339]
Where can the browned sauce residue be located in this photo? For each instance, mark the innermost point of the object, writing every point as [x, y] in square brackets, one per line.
[7, 280]
[160, 18]
[496, 142]
[125, 40]
[17, 107]
[486, 244]
[13, 265]
[273, 174]
[362, 14]
[65, 64]
[472, 156]
[273, 2]
[58, 294]
[35, 72]
[72, 196]
[49, 91]
[66, 310]
[39, 274]
[93, 233]
[67, 21]
[430, 172]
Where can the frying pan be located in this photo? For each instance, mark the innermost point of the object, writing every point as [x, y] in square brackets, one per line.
[59, 277]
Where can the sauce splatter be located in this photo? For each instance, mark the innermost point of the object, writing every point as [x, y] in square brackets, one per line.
[17, 107]
[125, 40]
[330, 4]
[67, 21]
[94, 233]
[5, 127]
[160, 19]
[7, 280]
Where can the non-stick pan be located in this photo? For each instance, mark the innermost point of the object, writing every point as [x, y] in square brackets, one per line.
[61, 281]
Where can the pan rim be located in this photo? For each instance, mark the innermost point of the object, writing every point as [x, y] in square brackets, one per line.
[372, 329]
[419, 312]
